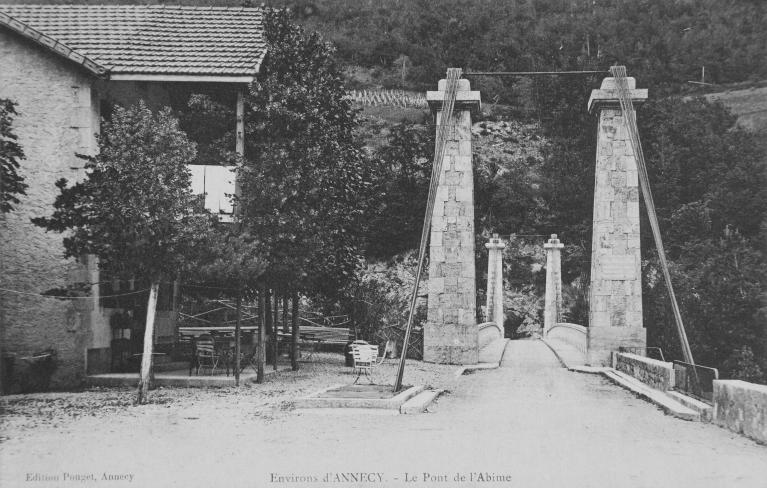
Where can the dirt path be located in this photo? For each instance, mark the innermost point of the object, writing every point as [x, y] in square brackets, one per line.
[530, 422]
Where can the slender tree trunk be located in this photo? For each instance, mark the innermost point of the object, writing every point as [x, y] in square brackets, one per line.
[269, 316]
[261, 353]
[285, 327]
[237, 334]
[294, 350]
[146, 358]
[275, 322]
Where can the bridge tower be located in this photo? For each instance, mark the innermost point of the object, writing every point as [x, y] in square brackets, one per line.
[451, 333]
[615, 313]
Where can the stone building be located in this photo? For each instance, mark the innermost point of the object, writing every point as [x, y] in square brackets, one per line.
[64, 66]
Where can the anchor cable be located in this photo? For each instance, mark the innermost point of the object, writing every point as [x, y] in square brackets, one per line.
[629, 118]
[446, 122]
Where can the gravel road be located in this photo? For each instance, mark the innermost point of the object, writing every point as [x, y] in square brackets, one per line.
[530, 423]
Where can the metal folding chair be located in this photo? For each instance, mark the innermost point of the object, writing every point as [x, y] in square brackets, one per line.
[206, 355]
[365, 360]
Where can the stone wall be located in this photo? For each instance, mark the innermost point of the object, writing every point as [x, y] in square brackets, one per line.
[741, 407]
[653, 373]
[57, 116]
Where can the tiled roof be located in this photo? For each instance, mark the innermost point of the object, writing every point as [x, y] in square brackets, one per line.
[147, 39]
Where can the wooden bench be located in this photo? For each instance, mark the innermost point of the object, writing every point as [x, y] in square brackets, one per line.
[326, 335]
[311, 337]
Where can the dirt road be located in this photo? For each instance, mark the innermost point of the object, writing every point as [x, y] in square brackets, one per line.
[530, 423]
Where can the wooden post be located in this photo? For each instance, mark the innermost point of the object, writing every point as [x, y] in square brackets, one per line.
[294, 334]
[239, 139]
[261, 353]
[237, 334]
[275, 322]
[146, 358]
[240, 136]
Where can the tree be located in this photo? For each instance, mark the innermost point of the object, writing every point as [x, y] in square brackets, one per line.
[234, 264]
[401, 186]
[135, 210]
[11, 182]
[304, 179]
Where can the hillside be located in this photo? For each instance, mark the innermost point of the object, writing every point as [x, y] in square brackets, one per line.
[409, 44]
[750, 105]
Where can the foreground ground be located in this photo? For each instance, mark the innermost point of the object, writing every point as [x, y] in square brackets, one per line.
[529, 423]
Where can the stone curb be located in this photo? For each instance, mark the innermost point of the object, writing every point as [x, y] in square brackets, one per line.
[705, 410]
[659, 398]
[667, 403]
[476, 367]
[316, 400]
[484, 365]
[559, 358]
[420, 402]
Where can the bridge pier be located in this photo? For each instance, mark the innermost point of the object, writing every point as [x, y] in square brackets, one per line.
[553, 300]
[451, 333]
[615, 296]
[494, 312]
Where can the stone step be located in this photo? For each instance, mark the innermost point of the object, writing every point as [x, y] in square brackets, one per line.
[659, 398]
[420, 402]
[705, 410]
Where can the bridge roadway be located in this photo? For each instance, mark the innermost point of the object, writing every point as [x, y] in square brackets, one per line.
[530, 421]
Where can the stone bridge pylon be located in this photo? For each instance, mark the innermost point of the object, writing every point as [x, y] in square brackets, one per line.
[615, 294]
[451, 333]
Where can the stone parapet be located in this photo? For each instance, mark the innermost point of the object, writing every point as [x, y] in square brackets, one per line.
[656, 374]
[741, 407]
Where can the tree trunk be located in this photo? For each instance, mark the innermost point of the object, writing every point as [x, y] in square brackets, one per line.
[261, 353]
[237, 334]
[294, 350]
[146, 358]
[285, 327]
[275, 322]
[269, 315]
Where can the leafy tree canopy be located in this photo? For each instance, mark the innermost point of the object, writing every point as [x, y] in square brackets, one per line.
[304, 181]
[135, 210]
[11, 182]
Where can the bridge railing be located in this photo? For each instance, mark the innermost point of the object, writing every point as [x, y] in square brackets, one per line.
[571, 334]
[695, 380]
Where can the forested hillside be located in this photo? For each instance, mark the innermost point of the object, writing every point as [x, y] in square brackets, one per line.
[708, 173]
[409, 43]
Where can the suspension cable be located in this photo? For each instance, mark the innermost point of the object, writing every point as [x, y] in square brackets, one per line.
[443, 133]
[532, 73]
[629, 118]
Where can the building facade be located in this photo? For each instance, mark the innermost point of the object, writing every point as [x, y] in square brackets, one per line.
[62, 74]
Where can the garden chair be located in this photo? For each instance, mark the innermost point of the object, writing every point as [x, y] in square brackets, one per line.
[206, 354]
[365, 360]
